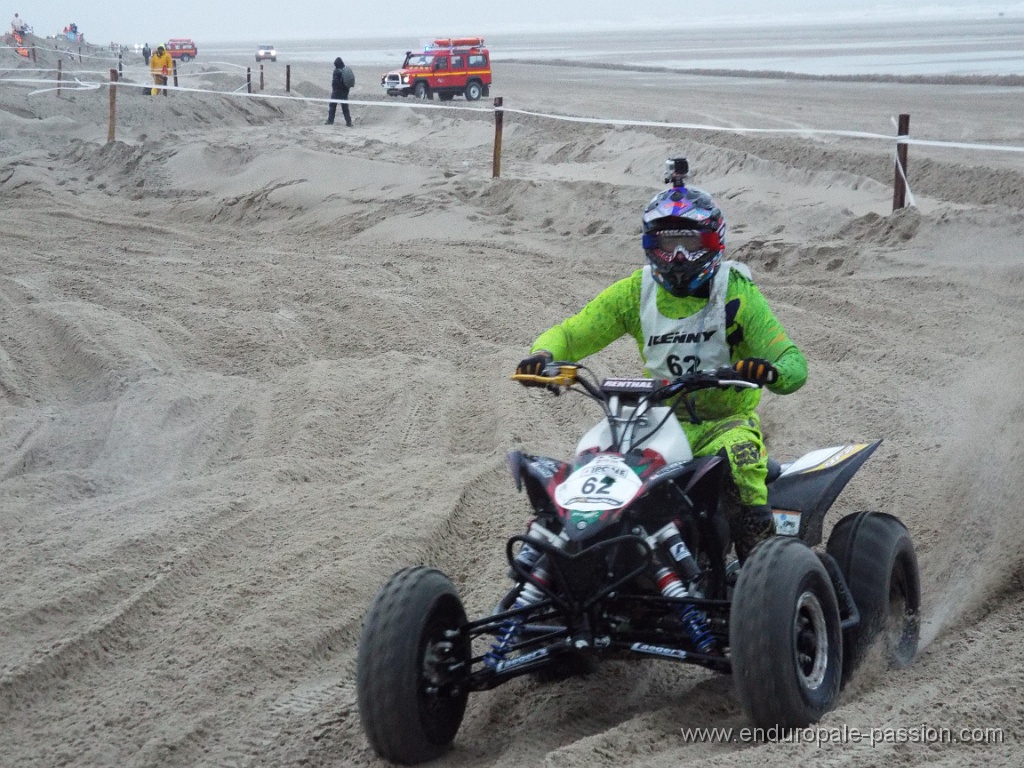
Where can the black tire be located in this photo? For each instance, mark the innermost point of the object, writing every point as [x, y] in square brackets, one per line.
[420, 90]
[397, 664]
[473, 90]
[185, 58]
[786, 636]
[877, 558]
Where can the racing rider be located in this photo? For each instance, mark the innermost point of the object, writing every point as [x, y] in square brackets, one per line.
[689, 310]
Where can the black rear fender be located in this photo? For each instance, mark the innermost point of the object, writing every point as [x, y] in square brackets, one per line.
[807, 487]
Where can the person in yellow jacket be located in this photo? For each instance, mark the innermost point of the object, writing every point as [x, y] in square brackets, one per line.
[160, 67]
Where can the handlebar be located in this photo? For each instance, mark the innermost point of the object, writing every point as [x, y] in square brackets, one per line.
[642, 393]
[565, 374]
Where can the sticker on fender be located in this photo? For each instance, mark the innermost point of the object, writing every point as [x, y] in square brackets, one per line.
[605, 483]
[786, 523]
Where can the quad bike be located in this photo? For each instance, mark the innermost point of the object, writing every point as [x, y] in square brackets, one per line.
[627, 557]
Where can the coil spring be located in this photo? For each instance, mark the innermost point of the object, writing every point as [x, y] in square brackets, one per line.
[505, 639]
[696, 624]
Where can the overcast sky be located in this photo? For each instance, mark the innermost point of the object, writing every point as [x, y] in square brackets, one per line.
[103, 21]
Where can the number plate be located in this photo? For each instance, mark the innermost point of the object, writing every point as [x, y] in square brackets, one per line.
[605, 483]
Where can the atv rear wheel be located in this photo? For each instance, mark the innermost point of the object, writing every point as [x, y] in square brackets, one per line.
[785, 635]
[876, 556]
[408, 665]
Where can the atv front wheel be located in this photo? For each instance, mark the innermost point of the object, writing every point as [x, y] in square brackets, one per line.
[877, 558]
[785, 635]
[409, 664]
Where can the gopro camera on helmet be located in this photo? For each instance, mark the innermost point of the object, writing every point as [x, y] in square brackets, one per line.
[676, 171]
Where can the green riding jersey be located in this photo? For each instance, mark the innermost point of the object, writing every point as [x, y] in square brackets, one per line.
[752, 331]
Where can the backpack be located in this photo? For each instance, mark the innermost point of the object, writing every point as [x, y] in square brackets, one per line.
[348, 77]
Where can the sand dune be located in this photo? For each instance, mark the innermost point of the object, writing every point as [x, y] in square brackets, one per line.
[251, 364]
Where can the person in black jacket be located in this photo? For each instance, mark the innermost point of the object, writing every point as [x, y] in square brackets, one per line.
[339, 90]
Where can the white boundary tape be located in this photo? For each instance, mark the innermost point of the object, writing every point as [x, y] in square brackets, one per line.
[906, 183]
[63, 51]
[104, 72]
[420, 104]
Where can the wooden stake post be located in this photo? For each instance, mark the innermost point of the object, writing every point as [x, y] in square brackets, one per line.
[499, 115]
[899, 191]
[113, 106]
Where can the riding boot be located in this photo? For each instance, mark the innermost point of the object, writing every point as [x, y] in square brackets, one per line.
[750, 527]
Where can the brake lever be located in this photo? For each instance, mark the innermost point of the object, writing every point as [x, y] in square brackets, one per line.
[726, 376]
[739, 383]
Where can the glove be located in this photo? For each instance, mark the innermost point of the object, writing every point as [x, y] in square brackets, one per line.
[533, 366]
[756, 370]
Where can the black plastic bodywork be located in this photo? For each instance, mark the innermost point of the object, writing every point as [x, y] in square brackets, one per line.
[812, 492]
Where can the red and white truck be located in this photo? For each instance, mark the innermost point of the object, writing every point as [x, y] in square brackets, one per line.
[449, 67]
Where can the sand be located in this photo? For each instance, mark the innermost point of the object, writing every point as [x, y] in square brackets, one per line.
[250, 365]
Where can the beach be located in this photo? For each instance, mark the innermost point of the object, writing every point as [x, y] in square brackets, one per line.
[252, 364]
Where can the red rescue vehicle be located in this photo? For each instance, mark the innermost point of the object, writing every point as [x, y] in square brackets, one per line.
[449, 67]
[181, 48]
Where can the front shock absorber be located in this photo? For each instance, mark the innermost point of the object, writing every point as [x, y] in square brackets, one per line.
[671, 585]
[529, 594]
[509, 631]
[695, 621]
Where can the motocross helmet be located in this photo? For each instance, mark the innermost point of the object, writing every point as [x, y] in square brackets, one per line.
[683, 239]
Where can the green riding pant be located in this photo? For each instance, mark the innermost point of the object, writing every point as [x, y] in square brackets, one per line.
[740, 437]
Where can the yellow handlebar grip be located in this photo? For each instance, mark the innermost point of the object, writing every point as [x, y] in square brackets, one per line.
[565, 377]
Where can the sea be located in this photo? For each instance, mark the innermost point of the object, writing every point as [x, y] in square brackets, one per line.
[962, 46]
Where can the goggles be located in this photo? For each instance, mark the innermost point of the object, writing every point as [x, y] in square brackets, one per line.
[682, 244]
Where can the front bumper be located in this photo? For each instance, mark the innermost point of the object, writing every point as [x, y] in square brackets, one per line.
[395, 87]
